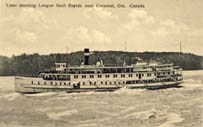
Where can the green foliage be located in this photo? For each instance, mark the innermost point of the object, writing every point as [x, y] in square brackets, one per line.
[31, 65]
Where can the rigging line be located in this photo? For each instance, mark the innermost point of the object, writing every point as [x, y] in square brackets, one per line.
[125, 54]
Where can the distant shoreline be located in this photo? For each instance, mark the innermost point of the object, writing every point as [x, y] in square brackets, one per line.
[32, 64]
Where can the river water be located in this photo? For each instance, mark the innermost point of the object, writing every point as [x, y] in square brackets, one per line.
[173, 107]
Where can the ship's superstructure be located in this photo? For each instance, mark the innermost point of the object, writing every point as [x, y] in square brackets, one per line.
[99, 77]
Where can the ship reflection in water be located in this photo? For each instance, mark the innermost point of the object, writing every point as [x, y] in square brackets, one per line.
[179, 107]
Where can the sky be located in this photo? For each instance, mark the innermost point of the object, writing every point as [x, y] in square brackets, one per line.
[160, 26]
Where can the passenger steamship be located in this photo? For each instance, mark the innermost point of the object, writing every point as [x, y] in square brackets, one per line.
[99, 77]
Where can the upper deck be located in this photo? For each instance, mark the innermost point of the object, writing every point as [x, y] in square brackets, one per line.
[95, 69]
[100, 68]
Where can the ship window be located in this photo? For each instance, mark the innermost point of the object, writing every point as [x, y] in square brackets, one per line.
[106, 83]
[123, 75]
[114, 82]
[64, 77]
[67, 77]
[101, 82]
[64, 83]
[99, 76]
[107, 76]
[123, 82]
[45, 83]
[83, 76]
[60, 83]
[83, 83]
[75, 76]
[90, 83]
[51, 83]
[69, 84]
[169, 73]
[95, 83]
[142, 74]
[136, 75]
[38, 83]
[130, 75]
[114, 76]
[110, 83]
[91, 76]
[32, 82]
[55, 83]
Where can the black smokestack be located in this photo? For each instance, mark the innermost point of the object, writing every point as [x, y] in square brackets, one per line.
[86, 56]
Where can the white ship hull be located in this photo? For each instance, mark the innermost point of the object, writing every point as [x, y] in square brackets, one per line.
[38, 85]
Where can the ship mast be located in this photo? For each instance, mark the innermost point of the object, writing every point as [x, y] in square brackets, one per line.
[180, 47]
[125, 56]
[180, 53]
[66, 56]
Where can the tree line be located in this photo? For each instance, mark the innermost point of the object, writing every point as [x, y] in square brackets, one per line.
[31, 65]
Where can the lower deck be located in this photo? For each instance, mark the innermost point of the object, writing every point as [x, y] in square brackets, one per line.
[38, 85]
